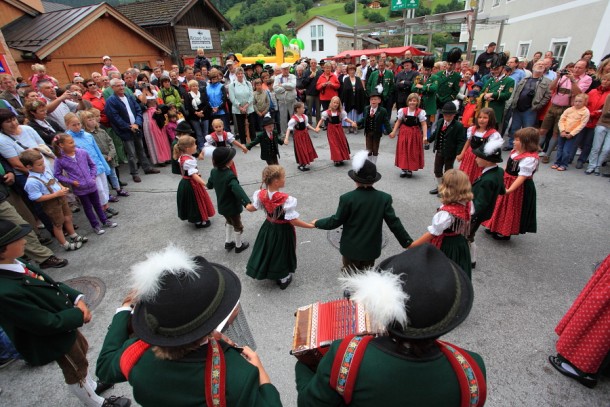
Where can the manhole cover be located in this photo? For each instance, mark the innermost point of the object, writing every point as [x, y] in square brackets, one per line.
[93, 289]
[334, 237]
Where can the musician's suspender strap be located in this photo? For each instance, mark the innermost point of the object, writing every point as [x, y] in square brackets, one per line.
[215, 371]
[130, 357]
[473, 387]
[346, 364]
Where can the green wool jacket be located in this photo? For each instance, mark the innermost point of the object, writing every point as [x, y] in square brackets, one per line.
[387, 83]
[384, 379]
[486, 189]
[269, 147]
[38, 316]
[448, 86]
[427, 93]
[455, 137]
[362, 212]
[230, 196]
[163, 383]
[502, 90]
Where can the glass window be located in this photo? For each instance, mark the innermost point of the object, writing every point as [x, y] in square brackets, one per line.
[320, 45]
[314, 46]
[559, 51]
[313, 31]
[496, 3]
[523, 50]
[320, 31]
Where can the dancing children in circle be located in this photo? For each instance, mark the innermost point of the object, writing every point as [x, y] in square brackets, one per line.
[304, 150]
[74, 167]
[194, 203]
[274, 254]
[482, 132]
[339, 148]
[221, 138]
[451, 223]
[515, 211]
[411, 138]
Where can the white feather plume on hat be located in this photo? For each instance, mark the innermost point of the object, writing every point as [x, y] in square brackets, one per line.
[359, 159]
[379, 88]
[147, 274]
[492, 145]
[381, 294]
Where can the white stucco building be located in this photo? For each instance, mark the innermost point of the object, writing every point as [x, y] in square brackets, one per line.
[565, 27]
[326, 37]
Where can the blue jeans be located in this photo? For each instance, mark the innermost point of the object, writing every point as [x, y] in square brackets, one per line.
[200, 127]
[584, 140]
[7, 350]
[114, 179]
[564, 147]
[520, 121]
[600, 149]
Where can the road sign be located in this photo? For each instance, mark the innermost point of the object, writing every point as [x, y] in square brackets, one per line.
[398, 5]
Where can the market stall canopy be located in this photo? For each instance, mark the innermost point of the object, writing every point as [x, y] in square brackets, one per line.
[391, 52]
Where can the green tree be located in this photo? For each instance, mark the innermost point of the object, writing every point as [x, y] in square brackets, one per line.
[237, 41]
[453, 5]
[375, 17]
[349, 7]
[256, 48]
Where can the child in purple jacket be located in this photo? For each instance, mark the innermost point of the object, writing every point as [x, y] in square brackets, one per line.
[74, 167]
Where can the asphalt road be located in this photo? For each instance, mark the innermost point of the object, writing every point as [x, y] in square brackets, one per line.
[523, 286]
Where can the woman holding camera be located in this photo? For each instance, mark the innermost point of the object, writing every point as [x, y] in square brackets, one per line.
[146, 89]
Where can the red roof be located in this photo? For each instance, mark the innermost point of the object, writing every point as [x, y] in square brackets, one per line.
[391, 52]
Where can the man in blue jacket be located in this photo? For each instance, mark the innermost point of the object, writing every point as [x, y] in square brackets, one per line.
[125, 117]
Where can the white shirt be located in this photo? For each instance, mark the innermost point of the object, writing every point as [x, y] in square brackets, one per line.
[132, 118]
[289, 206]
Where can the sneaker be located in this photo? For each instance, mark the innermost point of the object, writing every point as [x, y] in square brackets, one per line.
[79, 238]
[114, 401]
[110, 224]
[53, 262]
[112, 211]
[99, 231]
[72, 245]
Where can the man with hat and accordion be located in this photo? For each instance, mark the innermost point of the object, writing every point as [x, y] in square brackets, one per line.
[412, 299]
[177, 309]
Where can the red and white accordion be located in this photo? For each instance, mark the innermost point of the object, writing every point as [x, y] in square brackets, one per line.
[318, 325]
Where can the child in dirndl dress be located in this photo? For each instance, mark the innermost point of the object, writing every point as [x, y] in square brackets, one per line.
[515, 211]
[339, 148]
[194, 203]
[478, 135]
[451, 224]
[221, 138]
[274, 253]
[411, 138]
[304, 151]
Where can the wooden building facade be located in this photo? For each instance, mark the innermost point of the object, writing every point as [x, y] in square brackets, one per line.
[172, 20]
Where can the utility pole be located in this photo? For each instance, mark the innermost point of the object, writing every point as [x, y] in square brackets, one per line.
[355, 22]
[404, 22]
[474, 5]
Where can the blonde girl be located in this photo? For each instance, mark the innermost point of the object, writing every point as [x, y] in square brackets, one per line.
[450, 225]
[339, 148]
[194, 203]
[411, 121]
[274, 254]
[481, 133]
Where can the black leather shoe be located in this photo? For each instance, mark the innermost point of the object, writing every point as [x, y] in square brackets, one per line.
[151, 171]
[498, 236]
[582, 378]
[285, 284]
[136, 178]
[123, 184]
[473, 265]
[409, 174]
[114, 401]
[579, 165]
[244, 246]
[229, 246]
[102, 387]
[434, 191]
[489, 232]
[202, 225]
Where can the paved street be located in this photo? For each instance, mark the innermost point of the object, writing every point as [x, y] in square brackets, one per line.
[522, 287]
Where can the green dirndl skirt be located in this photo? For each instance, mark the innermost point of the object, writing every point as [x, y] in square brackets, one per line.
[188, 209]
[121, 157]
[274, 254]
[456, 248]
[527, 223]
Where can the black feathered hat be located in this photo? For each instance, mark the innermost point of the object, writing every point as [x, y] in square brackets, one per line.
[454, 55]
[428, 61]
[499, 60]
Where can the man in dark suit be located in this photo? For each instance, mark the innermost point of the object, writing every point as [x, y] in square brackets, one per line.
[449, 139]
[125, 118]
[41, 318]
[485, 189]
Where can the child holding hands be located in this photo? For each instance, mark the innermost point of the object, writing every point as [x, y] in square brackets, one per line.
[304, 150]
[411, 138]
[42, 187]
[274, 253]
[334, 116]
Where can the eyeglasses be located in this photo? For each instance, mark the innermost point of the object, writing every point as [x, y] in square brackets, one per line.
[91, 84]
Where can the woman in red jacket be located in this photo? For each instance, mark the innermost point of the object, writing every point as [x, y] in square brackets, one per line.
[328, 86]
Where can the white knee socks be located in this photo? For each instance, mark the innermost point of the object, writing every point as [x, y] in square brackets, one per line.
[238, 239]
[85, 392]
[473, 252]
[228, 233]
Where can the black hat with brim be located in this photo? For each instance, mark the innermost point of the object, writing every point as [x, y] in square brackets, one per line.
[449, 108]
[374, 92]
[494, 156]
[184, 127]
[187, 307]
[367, 174]
[267, 121]
[440, 292]
[10, 232]
[222, 155]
